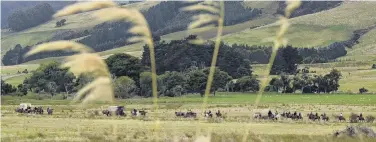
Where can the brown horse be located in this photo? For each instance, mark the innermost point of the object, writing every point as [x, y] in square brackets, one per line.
[142, 112]
[324, 117]
[190, 114]
[106, 112]
[179, 114]
[339, 118]
[218, 114]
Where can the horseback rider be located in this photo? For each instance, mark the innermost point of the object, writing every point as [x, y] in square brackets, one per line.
[295, 113]
[270, 113]
[218, 114]
[361, 115]
[134, 112]
[341, 114]
[300, 115]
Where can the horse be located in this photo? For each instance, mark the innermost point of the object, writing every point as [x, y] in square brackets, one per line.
[19, 110]
[134, 112]
[190, 114]
[340, 118]
[324, 117]
[38, 110]
[313, 117]
[257, 115]
[208, 114]
[49, 111]
[218, 114]
[142, 112]
[120, 111]
[179, 114]
[106, 112]
[361, 119]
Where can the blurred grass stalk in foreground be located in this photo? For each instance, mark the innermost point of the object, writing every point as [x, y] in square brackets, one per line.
[279, 41]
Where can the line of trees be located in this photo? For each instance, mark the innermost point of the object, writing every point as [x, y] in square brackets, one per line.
[306, 83]
[179, 55]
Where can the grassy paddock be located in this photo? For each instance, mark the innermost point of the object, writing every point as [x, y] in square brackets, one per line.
[231, 98]
[73, 122]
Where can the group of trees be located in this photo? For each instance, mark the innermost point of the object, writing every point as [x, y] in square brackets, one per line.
[23, 19]
[179, 55]
[60, 23]
[50, 78]
[7, 88]
[308, 7]
[131, 78]
[306, 83]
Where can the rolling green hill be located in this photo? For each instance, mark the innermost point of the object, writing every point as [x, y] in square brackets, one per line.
[318, 29]
[47, 30]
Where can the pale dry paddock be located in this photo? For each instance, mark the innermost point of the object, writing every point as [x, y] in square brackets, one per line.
[72, 123]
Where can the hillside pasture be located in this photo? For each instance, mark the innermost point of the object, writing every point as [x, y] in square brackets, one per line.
[298, 35]
[9, 70]
[43, 32]
[18, 79]
[317, 29]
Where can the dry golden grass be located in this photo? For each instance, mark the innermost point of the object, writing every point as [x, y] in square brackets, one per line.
[59, 45]
[86, 63]
[83, 7]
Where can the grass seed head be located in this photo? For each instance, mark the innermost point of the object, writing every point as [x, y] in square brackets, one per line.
[59, 45]
[83, 7]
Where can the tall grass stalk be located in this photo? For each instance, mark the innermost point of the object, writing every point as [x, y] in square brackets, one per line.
[215, 54]
[278, 42]
[213, 12]
[141, 28]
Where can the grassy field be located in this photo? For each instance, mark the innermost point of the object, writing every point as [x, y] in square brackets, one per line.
[8, 70]
[73, 122]
[17, 79]
[298, 35]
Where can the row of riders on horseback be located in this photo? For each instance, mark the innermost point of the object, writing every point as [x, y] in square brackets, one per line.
[35, 110]
[311, 116]
[119, 111]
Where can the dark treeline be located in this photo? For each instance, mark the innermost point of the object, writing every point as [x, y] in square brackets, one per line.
[23, 19]
[308, 7]
[179, 55]
[287, 57]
